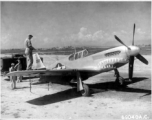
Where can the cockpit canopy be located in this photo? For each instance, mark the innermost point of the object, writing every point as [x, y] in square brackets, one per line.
[78, 55]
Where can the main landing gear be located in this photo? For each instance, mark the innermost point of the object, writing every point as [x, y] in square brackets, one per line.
[119, 80]
[85, 91]
[83, 88]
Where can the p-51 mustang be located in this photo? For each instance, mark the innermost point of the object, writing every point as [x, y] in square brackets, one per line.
[79, 66]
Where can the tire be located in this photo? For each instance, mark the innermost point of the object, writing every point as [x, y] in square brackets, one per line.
[86, 91]
[120, 81]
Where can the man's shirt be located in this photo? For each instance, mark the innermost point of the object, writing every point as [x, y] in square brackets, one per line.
[28, 46]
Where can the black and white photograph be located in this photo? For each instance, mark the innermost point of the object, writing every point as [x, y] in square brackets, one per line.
[75, 60]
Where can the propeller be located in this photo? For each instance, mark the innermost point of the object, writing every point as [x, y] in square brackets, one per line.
[142, 59]
[131, 59]
[133, 35]
[131, 67]
[121, 42]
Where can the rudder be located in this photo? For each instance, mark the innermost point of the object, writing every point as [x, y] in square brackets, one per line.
[37, 63]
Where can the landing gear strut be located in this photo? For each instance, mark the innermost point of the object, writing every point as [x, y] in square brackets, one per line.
[119, 80]
[83, 88]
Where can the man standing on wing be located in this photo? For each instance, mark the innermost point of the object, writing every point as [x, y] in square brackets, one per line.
[29, 52]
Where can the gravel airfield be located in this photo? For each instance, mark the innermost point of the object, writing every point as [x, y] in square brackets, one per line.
[63, 102]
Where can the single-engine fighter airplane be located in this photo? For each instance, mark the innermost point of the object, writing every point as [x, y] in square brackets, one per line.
[79, 66]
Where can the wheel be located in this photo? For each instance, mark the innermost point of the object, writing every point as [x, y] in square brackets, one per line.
[120, 81]
[86, 91]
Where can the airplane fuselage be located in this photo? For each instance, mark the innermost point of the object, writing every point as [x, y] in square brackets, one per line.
[102, 61]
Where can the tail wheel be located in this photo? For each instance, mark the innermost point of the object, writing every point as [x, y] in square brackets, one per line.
[86, 91]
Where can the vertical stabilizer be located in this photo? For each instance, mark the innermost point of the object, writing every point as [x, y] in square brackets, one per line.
[37, 63]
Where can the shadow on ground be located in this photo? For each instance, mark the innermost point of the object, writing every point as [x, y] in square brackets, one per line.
[113, 86]
[94, 88]
[56, 97]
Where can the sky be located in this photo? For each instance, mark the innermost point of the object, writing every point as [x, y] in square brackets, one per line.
[60, 24]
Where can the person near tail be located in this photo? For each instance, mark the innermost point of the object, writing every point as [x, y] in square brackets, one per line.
[18, 67]
[29, 52]
[12, 78]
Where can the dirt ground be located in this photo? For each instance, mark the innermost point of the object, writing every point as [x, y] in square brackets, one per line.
[63, 102]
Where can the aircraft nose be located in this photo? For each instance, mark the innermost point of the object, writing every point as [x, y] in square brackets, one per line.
[134, 50]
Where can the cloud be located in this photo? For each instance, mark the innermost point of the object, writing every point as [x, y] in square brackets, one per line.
[83, 30]
[123, 31]
[5, 40]
[114, 33]
[119, 32]
[98, 35]
[84, 35]
[139, 31]
[45, 40]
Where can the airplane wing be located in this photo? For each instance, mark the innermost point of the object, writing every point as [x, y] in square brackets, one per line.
[61, 72]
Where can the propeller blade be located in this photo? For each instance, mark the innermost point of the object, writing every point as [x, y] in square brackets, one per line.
[121, 41]
[131, 66]
[133, 35]
[142, 59]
